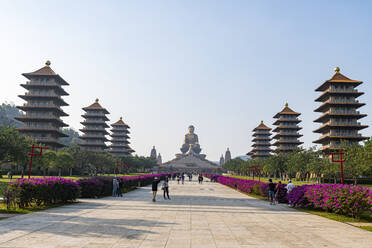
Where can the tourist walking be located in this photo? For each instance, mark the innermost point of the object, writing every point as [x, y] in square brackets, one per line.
[120, 188]
[165, 188]
[271, 191]
[183, 178]
[155, 188]
[200, 178]
[290, 186]
[114, 187]
[277, 192]
[178, 179]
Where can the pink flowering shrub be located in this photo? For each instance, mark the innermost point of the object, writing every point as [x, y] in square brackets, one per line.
[341, 199]
[102, 186]
[41, 191]
[253, 187]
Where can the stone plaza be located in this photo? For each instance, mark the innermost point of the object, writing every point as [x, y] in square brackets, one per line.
[198, 215]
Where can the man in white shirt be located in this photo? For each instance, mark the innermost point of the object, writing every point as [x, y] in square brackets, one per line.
[290, 186]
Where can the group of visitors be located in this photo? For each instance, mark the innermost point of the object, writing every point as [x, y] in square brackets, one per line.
[274, 190]
[164, 187]
[117, 187]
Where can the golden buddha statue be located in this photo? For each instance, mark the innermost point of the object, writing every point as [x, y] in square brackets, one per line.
[191, 142]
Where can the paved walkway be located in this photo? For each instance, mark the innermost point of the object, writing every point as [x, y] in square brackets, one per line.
[203, 216]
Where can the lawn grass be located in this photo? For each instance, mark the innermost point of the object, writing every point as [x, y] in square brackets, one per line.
[31, 209]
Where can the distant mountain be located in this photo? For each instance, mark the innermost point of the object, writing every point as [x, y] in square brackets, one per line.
[244, 157]
[7, 113]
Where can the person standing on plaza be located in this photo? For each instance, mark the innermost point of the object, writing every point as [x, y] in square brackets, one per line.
[183, 178]
[178, 179]
[114, 187]
[290, 186]
[165, 188]
[120, 187]
[271, 191]
[200, 178]
[277, 192]
[155, 188]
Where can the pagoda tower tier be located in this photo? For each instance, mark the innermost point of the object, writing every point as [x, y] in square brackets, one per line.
[94, 130]
[119, 139]
[42, 110]
[287, 130]
[261, 142]
[339, 116]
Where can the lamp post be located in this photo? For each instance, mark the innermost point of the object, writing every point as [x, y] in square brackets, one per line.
[339, 160]
[32, 154]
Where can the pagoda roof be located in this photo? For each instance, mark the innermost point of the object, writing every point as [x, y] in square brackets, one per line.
[262, 126]
[120, 122]
[96, 106]
[338, 78]
[286, 111]
[45, 71]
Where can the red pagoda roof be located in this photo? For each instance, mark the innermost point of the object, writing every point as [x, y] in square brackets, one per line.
[96, 106]
[45, 71]
[262, 126]
[286, 111]
[338, 78]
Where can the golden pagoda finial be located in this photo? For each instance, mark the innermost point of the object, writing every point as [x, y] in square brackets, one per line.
[121, 118]
[286, 105]
[261, 122]
[97, 100]
[47, 63]
[337, 69]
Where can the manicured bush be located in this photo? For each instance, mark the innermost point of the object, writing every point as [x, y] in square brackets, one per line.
[40, 191]
[252, 187]
[102, 186]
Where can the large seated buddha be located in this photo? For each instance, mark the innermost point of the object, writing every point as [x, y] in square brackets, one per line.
[191, 142]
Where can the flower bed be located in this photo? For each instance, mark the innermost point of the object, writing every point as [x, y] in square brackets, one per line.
[347, 200]
[341, 199]
[49, 191]
[251, 186]
[102, 186]
[40, 191]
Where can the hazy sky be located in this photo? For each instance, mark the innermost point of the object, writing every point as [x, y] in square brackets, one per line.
[220, 65]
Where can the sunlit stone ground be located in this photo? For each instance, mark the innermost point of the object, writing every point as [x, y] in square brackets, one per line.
[207, 215]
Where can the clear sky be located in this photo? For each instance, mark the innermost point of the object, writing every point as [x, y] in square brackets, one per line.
[220, 65]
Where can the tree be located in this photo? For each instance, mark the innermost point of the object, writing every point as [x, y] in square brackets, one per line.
[72, 139]
[64, 160]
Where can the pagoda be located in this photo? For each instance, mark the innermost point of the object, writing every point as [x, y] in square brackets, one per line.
[119, 139]
[261, 142]
[287, 130]
[43, 108]
[94, 128]
[227, 155]
[339, 116]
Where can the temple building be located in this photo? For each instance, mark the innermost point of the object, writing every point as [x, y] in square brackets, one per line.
[261, 142]
[43, 108]
[222, 160]
[339, 116]
[94, 128]
[159, 160]
[227, 155]
[287, 130]
[153, 153]
[190, 160]
[119, 139]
